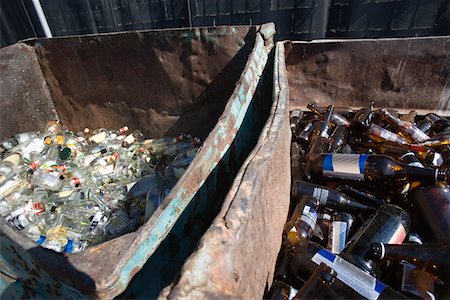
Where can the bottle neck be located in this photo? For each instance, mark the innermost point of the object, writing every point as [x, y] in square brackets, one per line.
[425, 175]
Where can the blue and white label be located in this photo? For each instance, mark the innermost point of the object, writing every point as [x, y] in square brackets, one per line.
[309, 216]
[338, 236]
[321, 195]
[345, 166]
[364, 284]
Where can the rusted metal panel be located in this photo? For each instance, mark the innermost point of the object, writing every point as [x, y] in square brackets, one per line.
[410, 73]
[26, 101]
[105, 271]
[159, 81]
[236, 256]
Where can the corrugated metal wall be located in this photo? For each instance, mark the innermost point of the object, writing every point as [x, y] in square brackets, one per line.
[295, 19]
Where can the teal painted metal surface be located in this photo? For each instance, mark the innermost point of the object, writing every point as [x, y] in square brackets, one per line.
[206, 203]
[21, 277]
[105, 271]
[236, 256]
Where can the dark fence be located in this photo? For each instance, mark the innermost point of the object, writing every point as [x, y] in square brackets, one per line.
[294, 19]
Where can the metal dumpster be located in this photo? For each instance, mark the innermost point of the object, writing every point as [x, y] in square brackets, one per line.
[204, 81]
[236, 256]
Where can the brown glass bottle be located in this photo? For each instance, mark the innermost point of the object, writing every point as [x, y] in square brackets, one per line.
[321, 132]
[434, 203]
[433, 122]
[405, 129]
[360, 195]
[338, 139]
[319, 138]
[379, 134]
[303, 136]
[303, 218]
[361, 121]
[328, 198]
[319, 285]
[336, 118]
[400, 153]
[375, 169]
[297, 154]
[389, 224]
[308, 255]
[279, 291]
[437, 141]
[294, 119]
[339, 231]
[433, 257]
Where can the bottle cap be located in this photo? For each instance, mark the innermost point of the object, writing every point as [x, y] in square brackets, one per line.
[65, 153]
[48, 140]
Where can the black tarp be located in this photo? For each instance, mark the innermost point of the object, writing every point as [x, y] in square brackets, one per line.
[294, 19]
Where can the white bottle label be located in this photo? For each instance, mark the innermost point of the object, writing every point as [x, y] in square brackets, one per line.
[98, 138]
[338, 236]
[309, 216]
[345, 166]
[364, 284]
[321, 195]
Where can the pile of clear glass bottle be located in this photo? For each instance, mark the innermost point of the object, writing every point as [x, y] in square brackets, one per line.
[69, 191]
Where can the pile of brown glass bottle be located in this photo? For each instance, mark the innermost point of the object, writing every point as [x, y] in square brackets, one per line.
[370, 206]
[69, 191]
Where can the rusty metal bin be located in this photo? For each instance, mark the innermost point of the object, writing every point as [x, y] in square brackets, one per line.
[236, 256]
[206, 81]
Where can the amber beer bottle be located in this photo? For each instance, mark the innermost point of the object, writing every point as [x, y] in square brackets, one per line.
[389, 224]
[328, 198]
[336, 118]
[297, 153]
[322, 130]
[361, 120]
[433, 122]
[319, 138]
[434, 203]
[294, 119]
[433, 257]
[303, 219]
[403, 155]
[304, 135]
[350, 281]
[375, 169]
[319, 285]
[360, 195]
[339, 231]
[406, 129]
[380, 134]
[338, 139]
[437, 141]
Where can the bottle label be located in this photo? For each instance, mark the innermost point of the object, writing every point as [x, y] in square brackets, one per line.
[19, 223]
[364, 284]
[41, 239]
[399, 235]
[321, 195]
[309, 216]
[14, 159]
[338, 236]
[389, 136]
[345, 166]
[419, 136]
